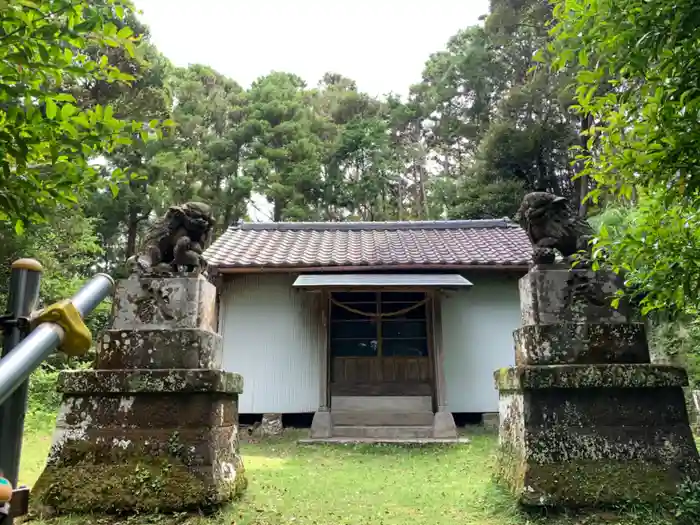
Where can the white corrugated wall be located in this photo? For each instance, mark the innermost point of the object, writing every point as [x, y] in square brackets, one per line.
[477, 334]
[273, 339]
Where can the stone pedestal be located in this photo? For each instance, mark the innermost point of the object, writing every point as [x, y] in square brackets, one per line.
[155, 426]
[585, 419]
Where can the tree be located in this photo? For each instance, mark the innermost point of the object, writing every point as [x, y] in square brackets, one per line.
[496, 120]
[452, 108]
[205, 157]
[148, 100]
[285, 154]
[47, 142]
[648, 135]
[66, 246]
[361, 170]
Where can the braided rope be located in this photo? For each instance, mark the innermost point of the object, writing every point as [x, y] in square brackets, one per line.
[383, 314]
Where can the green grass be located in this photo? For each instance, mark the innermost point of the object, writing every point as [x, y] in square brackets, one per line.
[35, 449]
[358, 485]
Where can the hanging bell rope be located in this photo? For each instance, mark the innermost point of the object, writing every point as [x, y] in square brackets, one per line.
[375, 314]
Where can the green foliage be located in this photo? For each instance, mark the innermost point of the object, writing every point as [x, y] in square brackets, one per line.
[323, 153]
[66, 245]
[500, 125]
[44, 401]
[636, 74]
[648, 126]
[286, 152]
[656, 244]
[48, 142]
[687, 503]
[674, 328]
[126, 209]
[204, 158]
[482, 198]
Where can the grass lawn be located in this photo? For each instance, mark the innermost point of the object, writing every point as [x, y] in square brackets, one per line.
[358, 485]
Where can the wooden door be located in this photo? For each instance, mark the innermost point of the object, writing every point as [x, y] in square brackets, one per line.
[379, 344]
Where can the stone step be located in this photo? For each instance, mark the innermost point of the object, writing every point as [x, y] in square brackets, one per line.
[383, 432]
[381, 418]
[382, 403]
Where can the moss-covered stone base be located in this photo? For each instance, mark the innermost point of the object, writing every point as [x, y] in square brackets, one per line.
[585, 419]
[587, 483]
[142, 452]
[586, 447]
[581, 343]
[151, 473]
[138, 485]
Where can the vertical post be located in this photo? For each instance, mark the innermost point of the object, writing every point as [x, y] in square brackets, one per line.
[444, 424]
[23, 296]
[324, 401]
[438, 359]
[377, 374]
[322, 425]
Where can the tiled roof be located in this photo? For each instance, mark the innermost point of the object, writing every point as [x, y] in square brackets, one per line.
[390, 244]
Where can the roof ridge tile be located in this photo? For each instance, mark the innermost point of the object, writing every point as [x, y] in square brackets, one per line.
[376, 225]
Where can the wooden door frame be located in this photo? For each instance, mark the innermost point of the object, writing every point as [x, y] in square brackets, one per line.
[430, 322]
[430, 294]
[326, 318]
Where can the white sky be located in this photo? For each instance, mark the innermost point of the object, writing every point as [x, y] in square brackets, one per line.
[381, 44]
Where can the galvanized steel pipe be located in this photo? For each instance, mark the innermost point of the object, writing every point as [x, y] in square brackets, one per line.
[26, 357]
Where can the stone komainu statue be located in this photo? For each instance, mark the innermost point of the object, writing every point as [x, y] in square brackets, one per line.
[552, 225]
[175, 240]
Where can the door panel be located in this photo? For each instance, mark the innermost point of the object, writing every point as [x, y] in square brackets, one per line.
[383, 350]
[381, 376]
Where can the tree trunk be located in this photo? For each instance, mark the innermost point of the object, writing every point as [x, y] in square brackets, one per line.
[277, 211]
[132, 228]
[543, 175]
[227, 219]
[582, 182]
[423, 193]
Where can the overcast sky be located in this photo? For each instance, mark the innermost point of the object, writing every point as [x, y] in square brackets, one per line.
[381, 44]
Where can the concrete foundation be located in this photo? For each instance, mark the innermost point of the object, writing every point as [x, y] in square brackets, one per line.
[321, 425]
[444, 426]
[490, 421]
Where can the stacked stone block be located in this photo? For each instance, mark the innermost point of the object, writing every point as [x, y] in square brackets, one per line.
[585, 419]
[155, 426]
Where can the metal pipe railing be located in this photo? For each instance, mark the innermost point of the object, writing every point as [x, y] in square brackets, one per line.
[57, 325]
[18, 364]
[23, 296]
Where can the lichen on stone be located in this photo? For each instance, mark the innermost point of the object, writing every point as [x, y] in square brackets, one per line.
[95, 475]
[581, 343]
[154, 427]
[583, 483]
[591, 376]
[586, 420]
[149, 381]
